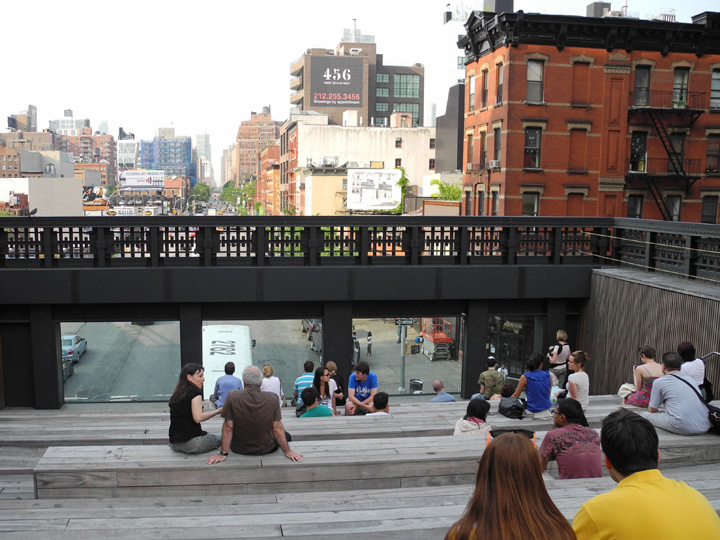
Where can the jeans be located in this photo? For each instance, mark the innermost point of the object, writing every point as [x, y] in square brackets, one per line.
[197, 445]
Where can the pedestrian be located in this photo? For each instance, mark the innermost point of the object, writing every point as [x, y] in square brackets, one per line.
[368, 352]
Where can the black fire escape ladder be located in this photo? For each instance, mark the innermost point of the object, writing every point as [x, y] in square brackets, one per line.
[675, 157]
[657, 196]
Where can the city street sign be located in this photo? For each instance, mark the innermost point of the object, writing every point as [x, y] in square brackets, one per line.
[403, 322]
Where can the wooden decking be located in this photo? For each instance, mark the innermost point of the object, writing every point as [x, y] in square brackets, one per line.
[108, 473]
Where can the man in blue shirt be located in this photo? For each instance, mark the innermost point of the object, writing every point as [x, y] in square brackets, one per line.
[362, 386]
[225, 384]
[304, 380]
[442, 395]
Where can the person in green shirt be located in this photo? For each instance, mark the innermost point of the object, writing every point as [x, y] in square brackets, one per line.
[309, 397]
[490, 381]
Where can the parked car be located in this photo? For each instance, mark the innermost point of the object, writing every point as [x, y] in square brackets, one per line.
[73, 347]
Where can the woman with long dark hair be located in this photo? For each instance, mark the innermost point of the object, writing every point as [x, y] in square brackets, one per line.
[186, 434]
[510, 501]
[473, 423]
[321, 383]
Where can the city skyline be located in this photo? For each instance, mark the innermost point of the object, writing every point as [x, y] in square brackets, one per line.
[205, 70]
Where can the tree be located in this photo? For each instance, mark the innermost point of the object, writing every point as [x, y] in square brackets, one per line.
[448, 192]
[201, 192]
[403, 183]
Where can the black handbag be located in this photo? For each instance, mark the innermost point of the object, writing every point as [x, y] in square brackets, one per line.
[713, 412]
[512, 407]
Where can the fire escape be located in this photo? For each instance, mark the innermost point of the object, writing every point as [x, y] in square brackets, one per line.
[661, 109]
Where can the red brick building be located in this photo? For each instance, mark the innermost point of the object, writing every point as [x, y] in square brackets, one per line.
[89, 148]
[266, 192]
[253, 135]
[584, 116]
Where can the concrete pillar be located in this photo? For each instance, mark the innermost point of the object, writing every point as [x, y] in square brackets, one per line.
[337, 335]
[474, 356]
[46, 358]
[190, 334]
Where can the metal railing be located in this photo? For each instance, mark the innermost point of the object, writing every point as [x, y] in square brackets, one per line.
[662, 166]
[668, 99]
[225, 241]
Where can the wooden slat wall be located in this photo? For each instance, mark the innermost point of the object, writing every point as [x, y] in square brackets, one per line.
[622, 316]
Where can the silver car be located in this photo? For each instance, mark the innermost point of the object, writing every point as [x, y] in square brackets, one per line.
[73, 347]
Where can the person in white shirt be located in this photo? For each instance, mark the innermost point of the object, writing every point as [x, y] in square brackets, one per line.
[692, 367]
[579, 383]
[380, 402]
[271, 383]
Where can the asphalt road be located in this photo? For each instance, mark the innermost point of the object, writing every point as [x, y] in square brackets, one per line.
[125, 362]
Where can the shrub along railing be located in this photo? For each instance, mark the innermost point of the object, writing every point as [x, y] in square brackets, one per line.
[66, 242]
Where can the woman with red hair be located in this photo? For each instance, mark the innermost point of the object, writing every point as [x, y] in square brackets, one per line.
[510, 501]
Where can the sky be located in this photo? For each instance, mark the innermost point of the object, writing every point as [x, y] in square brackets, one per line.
[202, 67]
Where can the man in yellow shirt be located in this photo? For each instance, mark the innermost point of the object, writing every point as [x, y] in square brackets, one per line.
[645, 504]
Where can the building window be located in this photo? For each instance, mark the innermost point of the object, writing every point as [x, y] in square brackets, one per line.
[483, 150]
[432, 144]
[712, 159]
[431, 165]
[381, 106]
[407, 86]
[677, 150]
[715, 90]
[499, 89]
[382, 92]
[495, 203]
[484, 96]
[468, 203]
[680, 87]
[470, 149]
[709, 209]
[535, 71]
[641, 96]
[471, 93]
[638, 151]
[412, 108]
[480, 203]
[497, 135]
[398, 142]
[672, 205]
[461, 62]
[532, 148]
[530, 201]
[383, 77]
[398, 162]
[381, 121]
[635, 206]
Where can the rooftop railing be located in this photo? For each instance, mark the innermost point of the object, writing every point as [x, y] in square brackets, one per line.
[688, 249]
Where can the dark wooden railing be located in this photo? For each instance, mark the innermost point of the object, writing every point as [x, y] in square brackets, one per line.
[233, 241]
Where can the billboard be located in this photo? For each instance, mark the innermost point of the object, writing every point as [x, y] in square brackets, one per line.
[336, 81]
[142, 180]
[373, 189]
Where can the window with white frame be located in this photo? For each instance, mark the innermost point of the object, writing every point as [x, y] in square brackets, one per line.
[532, 148]
[535, 75]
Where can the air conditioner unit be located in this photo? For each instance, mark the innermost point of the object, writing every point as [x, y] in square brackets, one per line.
[470, 166]
[494, 164]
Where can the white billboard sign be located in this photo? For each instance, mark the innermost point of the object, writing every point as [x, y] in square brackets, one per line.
[142, 180]
[373, 189]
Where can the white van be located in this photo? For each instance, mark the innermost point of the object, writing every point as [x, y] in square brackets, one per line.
[223, 343]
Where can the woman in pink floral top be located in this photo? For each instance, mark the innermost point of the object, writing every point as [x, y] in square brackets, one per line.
[644, 376]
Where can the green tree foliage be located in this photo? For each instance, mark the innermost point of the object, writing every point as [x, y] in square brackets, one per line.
[201, 192]
[448, 192]
[404, 182]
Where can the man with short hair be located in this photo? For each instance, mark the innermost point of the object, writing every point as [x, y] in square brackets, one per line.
[684, 412]
[442, 396]
[692, 366]
[381, 405]
[303, 381]
[310, 399]
[491, 380]
[644, 504]
[253, 422]
[225, 384]
[362, 386]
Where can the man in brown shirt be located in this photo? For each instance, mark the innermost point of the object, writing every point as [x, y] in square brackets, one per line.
[491, 380]
[253, 422]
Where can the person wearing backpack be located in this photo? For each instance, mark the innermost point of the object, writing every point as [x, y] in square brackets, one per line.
[558, 357]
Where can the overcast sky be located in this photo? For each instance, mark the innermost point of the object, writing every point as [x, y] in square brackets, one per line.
[202, 67]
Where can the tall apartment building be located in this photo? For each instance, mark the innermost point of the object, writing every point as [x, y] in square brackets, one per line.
[253, 135]
[128, 154]
[266, 192]
[604, 116]
[87, 147]
[170, 153]
[203, 145]
[24, 120]
[229, 170]
[353, 77]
